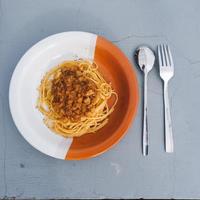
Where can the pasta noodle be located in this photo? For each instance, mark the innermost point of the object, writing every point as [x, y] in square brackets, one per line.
[73, 97]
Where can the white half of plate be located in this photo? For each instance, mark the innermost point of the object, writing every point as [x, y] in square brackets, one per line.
[26, 79]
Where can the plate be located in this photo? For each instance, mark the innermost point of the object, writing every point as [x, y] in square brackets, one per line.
[114, 66]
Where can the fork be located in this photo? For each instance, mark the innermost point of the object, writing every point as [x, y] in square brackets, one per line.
[166, 73]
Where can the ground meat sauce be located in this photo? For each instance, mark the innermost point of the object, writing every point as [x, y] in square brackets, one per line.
[73, 95]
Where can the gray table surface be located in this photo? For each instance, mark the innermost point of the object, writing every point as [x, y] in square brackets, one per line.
[121, 172]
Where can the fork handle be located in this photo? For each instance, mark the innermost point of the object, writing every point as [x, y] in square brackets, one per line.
[169, 146]
[145, 133]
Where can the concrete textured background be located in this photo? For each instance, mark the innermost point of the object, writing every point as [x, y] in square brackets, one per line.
[122, 172]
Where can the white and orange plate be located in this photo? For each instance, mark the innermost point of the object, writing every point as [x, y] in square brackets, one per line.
[49, 52]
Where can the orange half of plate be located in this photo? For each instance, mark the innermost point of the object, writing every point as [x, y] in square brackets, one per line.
[116, 68]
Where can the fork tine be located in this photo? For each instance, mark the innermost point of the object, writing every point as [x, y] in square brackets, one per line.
[170, 56]
[166, 55]
[163, 55]
[159, 56]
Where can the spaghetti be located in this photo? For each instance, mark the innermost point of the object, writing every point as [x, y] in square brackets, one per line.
[73, 97]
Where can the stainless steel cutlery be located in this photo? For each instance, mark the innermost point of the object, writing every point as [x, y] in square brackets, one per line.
[145, 59]
[166, 67]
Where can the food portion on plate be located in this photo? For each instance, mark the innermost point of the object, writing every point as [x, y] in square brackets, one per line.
[75, 99]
